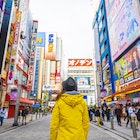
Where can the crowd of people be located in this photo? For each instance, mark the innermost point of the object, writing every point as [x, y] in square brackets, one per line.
[125, 112]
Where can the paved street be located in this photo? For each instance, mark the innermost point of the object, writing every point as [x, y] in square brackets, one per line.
[39, 130]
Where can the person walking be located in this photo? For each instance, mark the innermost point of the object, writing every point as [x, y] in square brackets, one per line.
[130, 113]
[98, 115]
[19, 115]
[2, 114]
[118, 113]
[70, 119]
[24, 114]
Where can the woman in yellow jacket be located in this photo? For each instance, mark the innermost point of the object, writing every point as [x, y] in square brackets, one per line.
[70, 120]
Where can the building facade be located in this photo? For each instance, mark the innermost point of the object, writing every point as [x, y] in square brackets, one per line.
[118, 27]
[100, 23]
[82, 71]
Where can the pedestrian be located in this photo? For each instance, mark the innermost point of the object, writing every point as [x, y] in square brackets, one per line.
[98, 115]
[138, 116]
[107, 112]
[91, 113]
[19, 115]
[130, 113]
[118, 113]
[24, 115]
[70, 119]
[2, 114]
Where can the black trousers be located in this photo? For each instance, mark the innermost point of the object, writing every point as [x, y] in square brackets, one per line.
[118, 119]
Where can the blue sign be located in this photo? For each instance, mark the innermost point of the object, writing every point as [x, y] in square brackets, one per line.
[50, 38]
[40, 40]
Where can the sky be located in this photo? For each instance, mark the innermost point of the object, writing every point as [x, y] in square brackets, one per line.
[71, 20]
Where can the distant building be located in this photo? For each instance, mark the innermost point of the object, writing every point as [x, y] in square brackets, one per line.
[82, 71]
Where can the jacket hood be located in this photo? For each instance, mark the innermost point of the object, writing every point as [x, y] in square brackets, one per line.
[72, 99]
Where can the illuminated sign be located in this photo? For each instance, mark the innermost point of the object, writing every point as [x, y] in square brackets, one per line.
[79, 62]
[125, 28]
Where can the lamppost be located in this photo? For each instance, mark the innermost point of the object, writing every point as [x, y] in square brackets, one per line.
[18, 98]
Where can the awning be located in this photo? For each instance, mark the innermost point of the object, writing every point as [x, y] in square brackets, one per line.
[25, 100]
[22, 100]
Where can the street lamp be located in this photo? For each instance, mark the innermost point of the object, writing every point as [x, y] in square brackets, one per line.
[18, 98]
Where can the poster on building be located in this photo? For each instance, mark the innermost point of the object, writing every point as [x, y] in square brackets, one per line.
[1, 6]
[125, 27]
[13, 94]
[4, 30]
[128, 66]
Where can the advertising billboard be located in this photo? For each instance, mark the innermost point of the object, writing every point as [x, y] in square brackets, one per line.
[1, 7]
[40, 39]
[4, 29]
[79, 62]
[14, 47]
[128, 66]
[50, 48]
[13, 94]
[82, 81]
[124, 27]
[32, 61]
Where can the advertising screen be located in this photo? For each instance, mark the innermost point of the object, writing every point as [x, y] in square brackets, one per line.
[124, 28]
[128, 66]
[82, 81]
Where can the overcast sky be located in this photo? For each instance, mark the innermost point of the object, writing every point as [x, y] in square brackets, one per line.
[71, 20]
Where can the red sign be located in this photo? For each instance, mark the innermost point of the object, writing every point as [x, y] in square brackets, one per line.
[79, 62]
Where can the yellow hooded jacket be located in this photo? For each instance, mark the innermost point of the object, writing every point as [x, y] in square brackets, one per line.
[70, 120]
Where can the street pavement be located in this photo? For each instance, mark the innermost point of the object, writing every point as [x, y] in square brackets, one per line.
[123, 131]
[39, 129]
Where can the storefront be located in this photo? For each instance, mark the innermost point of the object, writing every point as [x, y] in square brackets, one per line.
[12, 104]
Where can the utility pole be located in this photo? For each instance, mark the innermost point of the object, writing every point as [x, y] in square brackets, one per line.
[18, 98]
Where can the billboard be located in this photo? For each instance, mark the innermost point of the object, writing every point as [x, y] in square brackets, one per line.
[1, 8]
[82, 81]
[124, 26]
[128, 66]
[32, 61]
[79, 62]
[14, 46]
[50, 48]
[4, 29]
[40, 39]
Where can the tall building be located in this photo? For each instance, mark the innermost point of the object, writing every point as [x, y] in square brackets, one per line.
[118, 28]
[123, 20]
[100, 23]
[35, 93]
[52, 64]
[15, 54]
[82, 71]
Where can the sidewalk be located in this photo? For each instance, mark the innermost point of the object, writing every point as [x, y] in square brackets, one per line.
[123, 131]
[7, 123]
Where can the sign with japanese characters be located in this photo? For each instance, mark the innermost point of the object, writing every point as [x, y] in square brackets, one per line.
[79, 62]
[32, 62]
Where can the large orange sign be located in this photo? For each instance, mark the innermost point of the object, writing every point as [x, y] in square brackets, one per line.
[79, 62]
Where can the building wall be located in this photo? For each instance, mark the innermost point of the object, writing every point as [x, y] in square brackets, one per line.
[104, 45]
[40, 73]
[84, 75]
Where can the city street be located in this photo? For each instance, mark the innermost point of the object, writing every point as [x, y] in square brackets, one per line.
[39, 130]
